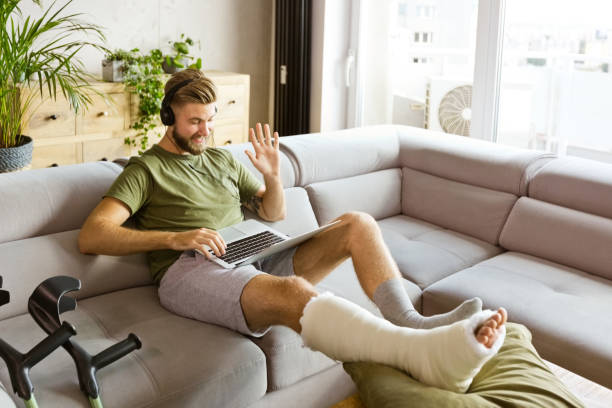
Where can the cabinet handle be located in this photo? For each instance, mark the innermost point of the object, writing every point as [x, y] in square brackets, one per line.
[105, 113]
[53, 117]
[104, 159]
[54, 165]
[229, 142]
[231, 102]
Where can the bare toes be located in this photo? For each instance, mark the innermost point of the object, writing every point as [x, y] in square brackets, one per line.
[492, 323]
[504, 316]
[482, 339]
[486, 331]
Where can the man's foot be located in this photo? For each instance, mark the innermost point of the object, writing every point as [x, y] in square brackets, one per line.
[414, 320]
[395, 305]
[488, 332]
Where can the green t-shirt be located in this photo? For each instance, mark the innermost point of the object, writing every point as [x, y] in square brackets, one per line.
[172, 192]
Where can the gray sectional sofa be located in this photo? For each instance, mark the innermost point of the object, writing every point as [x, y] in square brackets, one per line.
[521, 229]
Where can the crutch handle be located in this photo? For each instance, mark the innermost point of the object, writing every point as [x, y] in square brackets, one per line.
[116, 351]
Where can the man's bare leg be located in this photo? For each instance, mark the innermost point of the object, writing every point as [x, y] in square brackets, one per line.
[346, 332]
[359, 237]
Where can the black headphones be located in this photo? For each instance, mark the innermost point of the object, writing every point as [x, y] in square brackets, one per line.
[166, 113]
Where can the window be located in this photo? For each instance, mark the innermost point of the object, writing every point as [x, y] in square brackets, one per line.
[555, 78]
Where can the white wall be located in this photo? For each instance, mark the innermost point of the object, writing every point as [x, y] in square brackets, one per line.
[234, 35]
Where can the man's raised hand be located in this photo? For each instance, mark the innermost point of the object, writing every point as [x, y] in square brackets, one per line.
[266, 158]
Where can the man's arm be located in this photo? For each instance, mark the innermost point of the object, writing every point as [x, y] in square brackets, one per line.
[103, 233]
[269, 201]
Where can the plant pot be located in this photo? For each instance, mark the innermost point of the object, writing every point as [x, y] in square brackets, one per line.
[171, 69]
[16, 157]
[112, 71]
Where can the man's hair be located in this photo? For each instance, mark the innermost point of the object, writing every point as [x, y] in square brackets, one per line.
[200, 90]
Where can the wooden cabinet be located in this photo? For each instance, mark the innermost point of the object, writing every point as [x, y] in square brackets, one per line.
[61, 137]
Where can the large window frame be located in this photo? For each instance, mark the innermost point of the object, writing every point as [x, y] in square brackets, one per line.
[487, 69]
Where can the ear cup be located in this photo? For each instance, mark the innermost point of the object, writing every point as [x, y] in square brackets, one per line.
[165, 113]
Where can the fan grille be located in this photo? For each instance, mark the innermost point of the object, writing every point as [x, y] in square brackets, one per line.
[455, 110]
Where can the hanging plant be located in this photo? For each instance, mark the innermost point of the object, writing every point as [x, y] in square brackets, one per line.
[143, 77]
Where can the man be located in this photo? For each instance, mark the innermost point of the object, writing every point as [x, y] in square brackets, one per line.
[180, 193]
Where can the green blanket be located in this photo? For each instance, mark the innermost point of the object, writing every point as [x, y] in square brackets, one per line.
[515, 377]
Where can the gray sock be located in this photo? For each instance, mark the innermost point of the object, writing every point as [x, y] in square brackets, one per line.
[395, 305]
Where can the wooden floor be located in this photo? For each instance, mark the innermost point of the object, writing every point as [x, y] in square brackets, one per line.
[592, 394]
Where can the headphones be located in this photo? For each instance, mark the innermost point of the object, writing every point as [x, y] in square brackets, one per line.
[166, 113]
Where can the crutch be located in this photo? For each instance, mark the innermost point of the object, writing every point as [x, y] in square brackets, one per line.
[46, 304]
[19, 364]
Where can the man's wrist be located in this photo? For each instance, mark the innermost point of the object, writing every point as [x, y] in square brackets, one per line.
[169, 238]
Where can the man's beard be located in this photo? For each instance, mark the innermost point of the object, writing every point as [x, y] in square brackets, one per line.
[186, 144]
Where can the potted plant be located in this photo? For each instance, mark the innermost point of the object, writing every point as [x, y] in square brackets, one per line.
[115, 64]
[38, 57]
[181, 58]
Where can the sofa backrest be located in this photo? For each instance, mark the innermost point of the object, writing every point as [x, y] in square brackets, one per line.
[377, 193]
[463, 184]
[581, 184]
[41, 212]
[470, 161]
[568, 217]
[560, 234]
[45, 201]
[334, 155]
[475, 211]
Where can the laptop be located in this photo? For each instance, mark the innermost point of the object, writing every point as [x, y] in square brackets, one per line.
[251, 240]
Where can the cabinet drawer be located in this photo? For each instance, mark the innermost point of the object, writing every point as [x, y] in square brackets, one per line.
[109, 149]
[232, 102]
[50, 118]
[60, 154]
[101, 117]
[233, 133]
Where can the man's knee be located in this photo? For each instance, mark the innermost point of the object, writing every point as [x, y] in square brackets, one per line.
[269, 300]
[360, 226]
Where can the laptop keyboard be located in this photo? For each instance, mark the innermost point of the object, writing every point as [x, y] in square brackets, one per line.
[245, 247]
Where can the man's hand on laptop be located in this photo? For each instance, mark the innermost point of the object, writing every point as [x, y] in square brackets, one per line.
[266, 158]
[201, 239]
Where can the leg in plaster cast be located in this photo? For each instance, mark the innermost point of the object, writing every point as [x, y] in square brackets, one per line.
[359, 237]
[447, 357]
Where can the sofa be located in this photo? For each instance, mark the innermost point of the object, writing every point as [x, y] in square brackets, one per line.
[518, 228]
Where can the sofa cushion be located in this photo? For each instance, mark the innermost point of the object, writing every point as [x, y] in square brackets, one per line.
[572, 182]
[515, 377]
[475, 211]
[182, 362]
[426, 253]
[28, 262]
[344, 153]
[564, 308]
[468, 160]
[45, 201]
[377, 193]
[300, 217]
[287, 359]
[563, 235]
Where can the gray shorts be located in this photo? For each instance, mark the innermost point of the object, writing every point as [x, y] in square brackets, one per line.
[197, 288]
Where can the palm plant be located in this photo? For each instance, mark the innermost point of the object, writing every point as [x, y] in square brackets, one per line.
[40, 55]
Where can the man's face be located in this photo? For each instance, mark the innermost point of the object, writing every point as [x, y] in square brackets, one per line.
[193, 126]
